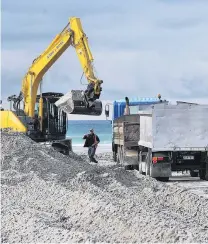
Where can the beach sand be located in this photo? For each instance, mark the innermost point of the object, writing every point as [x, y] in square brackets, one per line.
[102, 148]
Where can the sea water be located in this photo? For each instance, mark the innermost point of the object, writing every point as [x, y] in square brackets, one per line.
[78, 128]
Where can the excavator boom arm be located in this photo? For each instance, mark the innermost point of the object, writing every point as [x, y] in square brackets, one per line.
[72, 34]
[80, 43]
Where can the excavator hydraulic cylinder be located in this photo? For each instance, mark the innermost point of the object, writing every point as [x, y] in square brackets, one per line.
[41, 113]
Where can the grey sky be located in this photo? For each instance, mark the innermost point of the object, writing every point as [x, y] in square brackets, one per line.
[141, 48]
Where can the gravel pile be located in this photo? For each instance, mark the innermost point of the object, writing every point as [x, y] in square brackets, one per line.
[132, 133]
[51, 198]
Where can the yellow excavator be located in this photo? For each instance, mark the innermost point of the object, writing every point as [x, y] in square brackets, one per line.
[52, 118]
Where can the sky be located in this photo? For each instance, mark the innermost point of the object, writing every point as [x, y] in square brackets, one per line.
[140, 48]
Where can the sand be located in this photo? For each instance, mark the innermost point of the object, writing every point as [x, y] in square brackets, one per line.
[51, 198]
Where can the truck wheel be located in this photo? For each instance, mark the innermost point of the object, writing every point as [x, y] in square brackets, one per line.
[140, 168]
[206, 175]
[128, 167]
[147, 164]
[147, 168]
[136, 167]
[115, 156]
[118, 155]
[131, 167]
[194, 174]
[202, 174]
[163, 179]
[121, 155]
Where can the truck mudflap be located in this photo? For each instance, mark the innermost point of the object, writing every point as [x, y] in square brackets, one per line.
[160, 170]
[133, 160]
[127, 157]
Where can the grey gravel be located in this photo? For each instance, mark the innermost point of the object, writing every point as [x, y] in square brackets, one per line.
[51, 198]
[132, 133]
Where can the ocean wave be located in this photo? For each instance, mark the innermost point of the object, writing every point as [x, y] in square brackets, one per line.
[81, 135]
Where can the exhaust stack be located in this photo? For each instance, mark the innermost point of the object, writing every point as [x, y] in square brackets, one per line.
[127, 109]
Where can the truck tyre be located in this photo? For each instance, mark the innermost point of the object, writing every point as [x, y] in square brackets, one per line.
[194, 174]
[164, 179]
[118, 154]
[136, 167]
[128, 167]
[147, 168]
[202, 174]
[115, 152]
[113, 147]
[206, 175]
[147, 165]
[115, 156]
[139, 162]
[140, 168]
[121, 155]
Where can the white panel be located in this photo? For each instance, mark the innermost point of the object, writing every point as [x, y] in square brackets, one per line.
[180, 126]
[175, 126]
[146, 131]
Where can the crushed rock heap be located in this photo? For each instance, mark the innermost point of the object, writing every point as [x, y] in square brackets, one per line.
[49, 197]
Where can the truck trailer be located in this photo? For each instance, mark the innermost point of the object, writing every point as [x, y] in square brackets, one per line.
[174, 138]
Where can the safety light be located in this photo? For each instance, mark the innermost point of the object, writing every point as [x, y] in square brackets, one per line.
[155, 159]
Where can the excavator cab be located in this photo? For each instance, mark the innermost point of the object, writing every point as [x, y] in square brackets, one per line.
[54, 121]
[54, 124]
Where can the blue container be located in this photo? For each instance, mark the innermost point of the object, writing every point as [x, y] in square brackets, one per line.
[119, 105]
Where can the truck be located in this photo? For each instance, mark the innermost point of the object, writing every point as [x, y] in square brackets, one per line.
[126, 129]
[161, 138]
[173, 138]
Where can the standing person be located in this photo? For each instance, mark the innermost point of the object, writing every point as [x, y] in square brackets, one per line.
[91, 141]
[127, 109]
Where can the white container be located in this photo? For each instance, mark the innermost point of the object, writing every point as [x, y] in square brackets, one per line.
[174, 127]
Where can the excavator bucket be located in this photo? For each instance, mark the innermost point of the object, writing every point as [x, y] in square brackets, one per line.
[74, 102]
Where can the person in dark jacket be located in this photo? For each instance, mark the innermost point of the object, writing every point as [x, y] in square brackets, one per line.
[91, 141]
